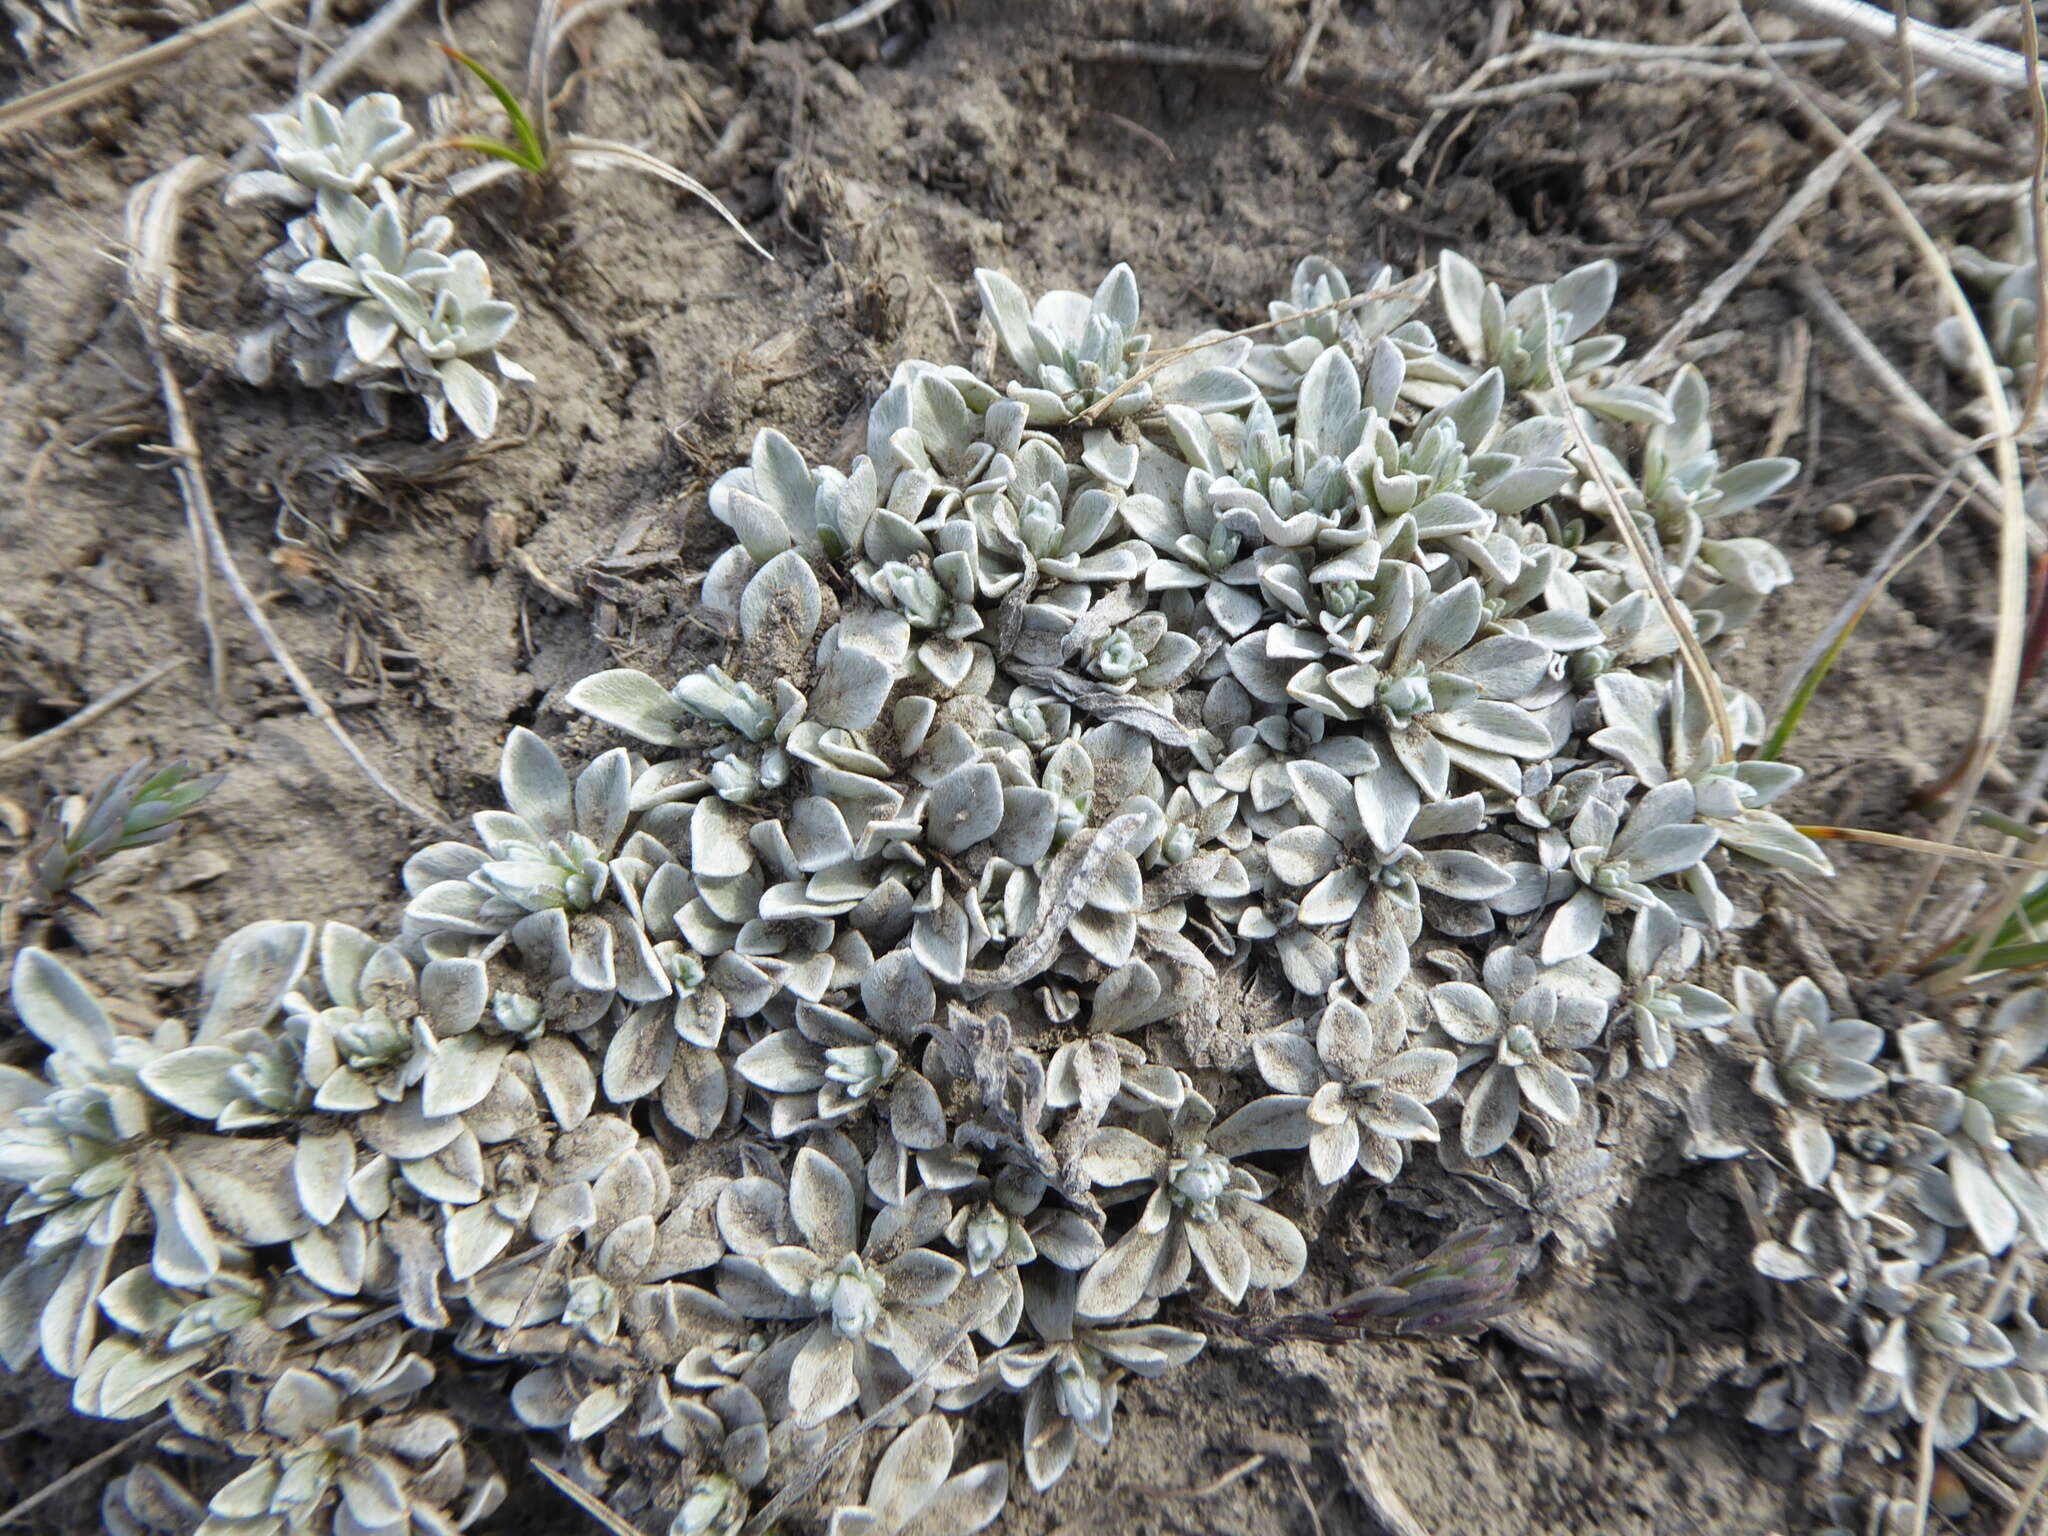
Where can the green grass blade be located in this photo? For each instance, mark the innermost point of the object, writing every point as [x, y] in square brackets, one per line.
[2010, 957]
[1809, 684]
[529, 155]
[494, 148]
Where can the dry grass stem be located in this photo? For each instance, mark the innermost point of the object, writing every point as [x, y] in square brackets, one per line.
[1988, 497]
[1923, 1482]
[1607, 48]
[66, 95]
[343, 62]
[584, 1500]
[1373, 1486]
[1637, 72]
[1130, 125]
[1819, 182]
[859, 16]
[2029, 1496]
[1210, 1489]
[1690, 651]
[1807, 676]
[1318, 18]
[2037, 207]
[113, 699]
[1907, 844]
[1962, 56]
[1132, 50]
[2014, 534]
[806, 1477]
[2015, 892]
[1902, 35]
[84, 1469]
[1541, 44]
[152, 223]
[1968, 194]
[360, 43]
[1795, 359]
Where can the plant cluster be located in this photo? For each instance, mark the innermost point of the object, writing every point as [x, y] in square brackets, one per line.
[1897, 1170]
[2005, 283]
[850, 1042]
[363, 293]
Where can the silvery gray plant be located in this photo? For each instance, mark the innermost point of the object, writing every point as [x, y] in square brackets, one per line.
[2006, 284]
[40, 25]
[364, 294]
[849, 1036]
[1891, 1171]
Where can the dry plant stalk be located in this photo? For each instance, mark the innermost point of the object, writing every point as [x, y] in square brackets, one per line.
[2009, 638]
[1690, 651]
[1819, 182]
[111, 700]
[26, 111]
[1960, 55]
[1899, 840]
[154, 210]
[1986, 496]
[2037, 207]
[859, 16]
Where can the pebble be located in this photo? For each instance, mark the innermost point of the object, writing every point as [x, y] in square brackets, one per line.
[1838, 517]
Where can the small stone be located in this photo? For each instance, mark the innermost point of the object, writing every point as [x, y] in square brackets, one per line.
[195, 869]
[1838, 517]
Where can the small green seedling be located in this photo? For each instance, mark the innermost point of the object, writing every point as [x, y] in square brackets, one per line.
[536, 151]
[131, 810]
[530, 154]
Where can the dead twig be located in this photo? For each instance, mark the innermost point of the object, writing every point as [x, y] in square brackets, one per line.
[1793, 362]
[2029, 1496]
[1962, 56]
[113, 699]
[1907, 844]
[859, 16]
[1638, 72]
[65, 95]
[1690, 651]
[1210, 1489]
[1318, 18]
[584, 1500]
[2037, 206]
[1133, 50]
[153, 217]
[1988, 497]
[85, 1469]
